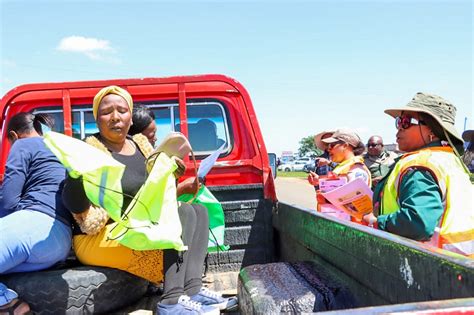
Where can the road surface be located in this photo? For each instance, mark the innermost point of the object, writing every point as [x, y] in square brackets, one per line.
[295, 191]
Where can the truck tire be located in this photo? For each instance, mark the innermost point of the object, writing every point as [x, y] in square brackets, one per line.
[291, 288]
[79, 290]
[287, 169]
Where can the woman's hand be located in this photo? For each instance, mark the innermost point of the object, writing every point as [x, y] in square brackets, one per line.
[376, 180]
[323, 161]
[181, 167]
[188, 186]
[370, 219]
[91, 221]
[313, 178]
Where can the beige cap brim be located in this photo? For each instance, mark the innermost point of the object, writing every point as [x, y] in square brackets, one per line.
[317, 140]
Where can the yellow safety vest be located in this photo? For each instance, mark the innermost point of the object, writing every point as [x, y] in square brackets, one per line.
[455, 231]
[138, 229]
[344, 167]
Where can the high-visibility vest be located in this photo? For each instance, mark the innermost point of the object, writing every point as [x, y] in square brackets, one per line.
[344, 167]
[455, 230]
[152, 223]
[99, 170]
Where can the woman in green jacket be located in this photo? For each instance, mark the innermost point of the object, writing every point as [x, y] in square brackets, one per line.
[427, 195]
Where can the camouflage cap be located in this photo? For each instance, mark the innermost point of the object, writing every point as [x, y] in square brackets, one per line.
[437, 107]
[344, 135]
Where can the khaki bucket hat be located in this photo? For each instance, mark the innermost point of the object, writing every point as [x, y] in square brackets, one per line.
[437, 107]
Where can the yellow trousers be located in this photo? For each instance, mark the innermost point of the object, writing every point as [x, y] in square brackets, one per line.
[97, 250]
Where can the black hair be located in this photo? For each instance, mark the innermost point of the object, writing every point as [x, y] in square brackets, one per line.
[359, 149]
[434, 125]
[142, 117]
[438, 131]
[23, 123]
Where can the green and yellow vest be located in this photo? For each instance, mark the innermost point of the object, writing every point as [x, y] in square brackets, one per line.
[455, 231]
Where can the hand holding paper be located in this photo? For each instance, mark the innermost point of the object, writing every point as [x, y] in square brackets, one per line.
[355, 198]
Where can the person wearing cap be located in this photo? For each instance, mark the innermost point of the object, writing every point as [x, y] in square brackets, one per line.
[345, 148]
[426, 195]
[377, 159]
[468, 156]
[323, 162]
[183, 291]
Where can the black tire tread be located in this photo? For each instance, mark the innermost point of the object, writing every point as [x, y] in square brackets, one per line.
[79, 290]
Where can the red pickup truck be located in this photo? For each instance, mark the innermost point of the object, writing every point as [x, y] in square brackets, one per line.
[373, 268]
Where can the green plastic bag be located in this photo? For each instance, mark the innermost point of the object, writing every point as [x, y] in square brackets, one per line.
[151, 221]
[216, 217]
[101, 173]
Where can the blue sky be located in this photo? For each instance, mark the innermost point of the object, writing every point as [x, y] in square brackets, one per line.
[308, 65]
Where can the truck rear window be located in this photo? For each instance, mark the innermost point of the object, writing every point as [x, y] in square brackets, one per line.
[207, 123]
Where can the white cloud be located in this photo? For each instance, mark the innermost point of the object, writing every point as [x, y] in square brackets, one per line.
[94, 48]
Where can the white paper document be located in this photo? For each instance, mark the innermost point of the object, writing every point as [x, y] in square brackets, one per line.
[326, 184]
[208, 162]
[355, 198]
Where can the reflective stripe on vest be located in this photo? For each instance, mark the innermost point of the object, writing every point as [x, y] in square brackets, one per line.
[344, 167]
[455, 231]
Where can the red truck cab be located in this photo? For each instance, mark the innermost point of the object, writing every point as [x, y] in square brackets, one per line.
[184, 103]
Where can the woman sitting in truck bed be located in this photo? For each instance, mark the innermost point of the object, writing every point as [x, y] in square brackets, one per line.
[35, 227]
[427, 195]
[183, 290]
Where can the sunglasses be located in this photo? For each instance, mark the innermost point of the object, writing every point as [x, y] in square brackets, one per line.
[406, 122]
[372, 145]
[332, 145]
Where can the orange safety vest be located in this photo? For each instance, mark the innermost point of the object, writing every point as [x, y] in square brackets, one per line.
[344, 167]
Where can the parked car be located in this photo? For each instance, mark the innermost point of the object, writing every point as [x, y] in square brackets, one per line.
[294, 166]
[305, 159]
[310, 167]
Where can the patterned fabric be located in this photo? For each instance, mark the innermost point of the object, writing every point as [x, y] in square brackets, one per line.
[98, 250]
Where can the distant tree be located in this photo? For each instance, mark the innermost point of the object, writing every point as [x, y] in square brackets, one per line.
[307, 147]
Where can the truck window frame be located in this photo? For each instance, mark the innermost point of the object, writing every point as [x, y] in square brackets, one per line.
[173, 106]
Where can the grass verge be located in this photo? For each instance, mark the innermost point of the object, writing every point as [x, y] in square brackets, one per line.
[292, 174]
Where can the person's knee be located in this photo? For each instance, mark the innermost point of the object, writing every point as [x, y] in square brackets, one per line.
[201, 212]
[187, 215]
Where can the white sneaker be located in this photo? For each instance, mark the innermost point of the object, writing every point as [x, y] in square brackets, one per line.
[186, 307]
[211, 298]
